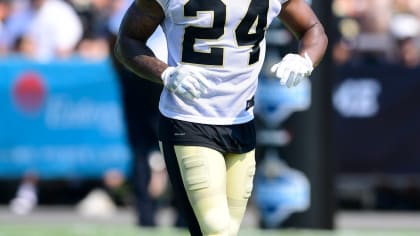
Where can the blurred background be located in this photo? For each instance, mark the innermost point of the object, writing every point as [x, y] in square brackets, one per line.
[78, 141]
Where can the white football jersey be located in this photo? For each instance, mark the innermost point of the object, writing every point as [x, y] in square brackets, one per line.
[225, 40]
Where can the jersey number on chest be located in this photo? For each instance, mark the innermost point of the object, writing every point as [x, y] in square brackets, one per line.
[249, 32]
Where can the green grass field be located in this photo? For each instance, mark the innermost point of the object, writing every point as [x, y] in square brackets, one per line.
[118, 230]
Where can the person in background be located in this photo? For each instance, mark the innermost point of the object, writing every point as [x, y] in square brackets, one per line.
[95, 15]
[405, 29]
[5, 11]
[5, 8]
[101, 20]
[206, 126]
[140, 100]
[44, 29]
[26, 198]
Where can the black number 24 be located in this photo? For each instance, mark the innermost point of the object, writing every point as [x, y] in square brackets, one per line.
[249, 32]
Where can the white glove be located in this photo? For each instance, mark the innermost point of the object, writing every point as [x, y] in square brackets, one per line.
[292, 69]
[185, 81]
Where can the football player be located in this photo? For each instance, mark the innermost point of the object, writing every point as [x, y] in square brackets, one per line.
[206, 129]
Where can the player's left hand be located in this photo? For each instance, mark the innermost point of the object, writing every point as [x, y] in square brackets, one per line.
[292, 69]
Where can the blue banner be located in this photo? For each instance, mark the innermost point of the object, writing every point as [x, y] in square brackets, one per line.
[62, 119]
[376, 119]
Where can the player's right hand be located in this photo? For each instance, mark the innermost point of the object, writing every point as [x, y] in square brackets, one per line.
[185, 81]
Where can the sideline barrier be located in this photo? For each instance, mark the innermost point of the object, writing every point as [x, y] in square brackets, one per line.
[61, 119]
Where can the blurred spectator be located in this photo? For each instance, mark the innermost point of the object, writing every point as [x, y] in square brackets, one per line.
[361, 31]
[5, 7]
[48, 29]
[385, 34]
[375, 17]
[405, 29]
[12, 27]
[26, 195]
[5, 10]
[407, 6]
[102, 201]
[341, 52]
[95, 15]
[372, 15]
[368, 29]
[43, 29]
[140, 100]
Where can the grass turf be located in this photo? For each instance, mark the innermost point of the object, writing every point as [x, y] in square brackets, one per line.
[119, 230]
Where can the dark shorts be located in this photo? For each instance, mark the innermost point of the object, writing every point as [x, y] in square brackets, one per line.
[238, 138]
[223, 138]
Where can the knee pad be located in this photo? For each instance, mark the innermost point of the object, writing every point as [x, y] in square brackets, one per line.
[241, 171]
[216, 220]
[204, 176]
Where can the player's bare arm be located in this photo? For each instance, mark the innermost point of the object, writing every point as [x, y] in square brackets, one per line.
[298, 16]
[140, 21]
